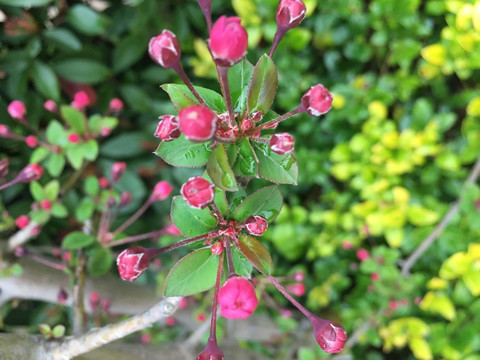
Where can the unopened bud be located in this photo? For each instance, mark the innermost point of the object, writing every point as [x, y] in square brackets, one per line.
[125, 198]
[164, 49]
[217, 248]
[228, 41]
[237, 298]
[111, 201]
[317, 100]
[4, 167]
[31, 141]
[198, 192]
[46, 204]
[73, 138]
[299, 276]
[116, 105]
[290, 13]
[17, 110]
[103, 182]
[256, 225]
[168, 128]
[329, 335]
[62, 296]
[5, 131]
[282, 143]
[20, 251]
[81, 100]
[198, 123]
[50, 105]
[161, 191]
[362, 254]
[29, 173]
[118, 169]
[297, 289]
[94, 300]
[132, 262]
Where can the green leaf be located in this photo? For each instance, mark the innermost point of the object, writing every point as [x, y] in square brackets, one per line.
[194, 273]
[91, 186]
[39, 154]
[280, 169]
[85, 209]
[52, 189]
[90, 149]
[220, 171]
[183, 153]
[99, 261]
[190, 221]
[87, 21]
[238, 78]
[438, 303]
[59, 210]
[263, 86]
[55, 164]
[75, 118]
[266, 202]
[63, 38]
[46, 81]
[220, 196]
[246, 163]
[77, 240]
[44, 329]
[39, 216]
[471, 278]
[58, 331]
[124, 146]
[128, 51]
[242, 266]
[22, 3]
[82, 71]
[37, 191]
[256, 253]
[75, 156]
[56, 134]
[182, 97]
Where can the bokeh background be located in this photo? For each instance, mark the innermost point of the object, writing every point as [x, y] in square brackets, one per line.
[377, 173]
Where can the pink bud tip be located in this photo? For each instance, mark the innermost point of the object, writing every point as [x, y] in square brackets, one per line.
[347, 245]
[46, 204]
[94, 300]
[4, 130]
[116, 105]
[50, 105]
[201, 317]
[172, 230]
[168, 128]
[170, 321]
[22, 221]
[286, 313]
[103, 182]
[290, 13]
[198, 192]
[393, 305]
[161, 191]
[183, 303]
[73, 138]
[329, 335]
[375, 276]
[17, 110]
[198, 123]
[299, 276]
[31, 172]
[62, 296]
[282, 143]
[132, 262]
[105, 304]
[256, 225]
[217, 248]
[81, 100]
[118, 169]
[164, 49]
[145, 338]
[4, 167]
[237, 298]
[105, 131]
[31, 141]
[317, 100]
[362, 254]
[228, 41]
[297, 289]
[125, 198]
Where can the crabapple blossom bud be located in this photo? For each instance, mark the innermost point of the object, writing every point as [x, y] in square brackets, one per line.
[22, 221]
[286, 313]
[4, 167]
[164, 49]
[282, 143]
[168, 128]
[256, 225]
[299, 276]
[105, 304]
[81, 100]
[73, 138]
[94, 300]
[183, 303]
[161, 191]
[46, 204]
[392, 304]
[132, 262]
[198, 123]
[297, 289]
[145, 338]
[362, 254]
[103, 182]
[317, 100]
[29, 173]
[290, 13]
[329, 335]
[62, 296]
[17, 110]
[217, 248]
[170, 321]
[237, 298]
[171, 229]
[31, 141]
[105, 131]
[375, 276]
[5, 131]
[111, 201]
[201, 317]
[118, 169]
[125, 198]
[211, 351]
[50, 105]
[228, 41]
[198, 192]
[115, 105]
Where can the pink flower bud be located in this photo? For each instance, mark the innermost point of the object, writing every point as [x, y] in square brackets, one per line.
[5, 131]
[362, 254]
[29, 173]
[31, 141]
[347, 245]
[171, 229]
[94, 300]
[164, 49]
[4, 167]
[237, 298]
[50, 105]
[168, 128]
[22, 221]
[256, 225]
[201, 317]
[105, 131]
[111, 201]
[73, 138]
[317, 100]
[375, 276]
[17, 110]
[116, 105]
[211, 351]
[286, 313]
[299, 276]
[145, 338]
[118, 169]
[198, 192]
[290, 13]
[217, 248]
[132, 262]
[81, 100]
[329, 335]
[103, 182]
[297, 289]
[62, 296]
[161, 191]
[170, 321]
[125, 198]
[282, 143]
[198, 123]
[183, 303]
[105, 304]
[228, 41]
[46, 204]
[392, 304]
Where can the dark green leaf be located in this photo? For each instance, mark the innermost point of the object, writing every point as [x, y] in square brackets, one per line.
[194, 273]
[55, 164]
[45, 81]
[63, 38]
[128, 51]
[238, 78]
[242, 266]
[280, 169]
[266, 202]
[39, 154]
[75, 118]
[246, 162]
[85, 209]
[220, 196]
[75, 156]
[37, 191]
[82, 71]
[124, 146]
[190, 221]
[59, 211]
[86, 20]
[256, 253]
[77, 240]
[99, 261]
[21, 3]
[91, 186]
[182, 97]
[220, 171]
[52, 189]
[183, 153]
[263, 86]
[56, 134]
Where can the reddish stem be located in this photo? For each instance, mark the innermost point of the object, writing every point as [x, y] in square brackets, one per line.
[154, 252]
[179, 70]
[299, 109]
[134, 217]
[277, 38]
[213, 323]
[223, 78]
[285, 293]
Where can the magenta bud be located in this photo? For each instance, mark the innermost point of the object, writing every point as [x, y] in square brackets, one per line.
[132, 262]
[5, 131]
[317, 100]
[30, 173]
[94, 300]
[62, 296]
[50, 105]
[217, 248]
[31, 141]
[125, 198]
[161, 191]
[17, 110]
[198, 123]
[81, 100]
[105, 304]
[299, 276]
[103, 182]
[297, 289]
[237, 298]
[198, 192]
[118, 169]
[256, 225]
[115, 105]
[111, 201]
[329, 335]
[168, 128]
[164, 49]
[211, 351]
[282, 143]
[171, 229]
[46, 204]
[290, 13]
[362, 254]
[73, 138]
[4, 167]
[228, 41]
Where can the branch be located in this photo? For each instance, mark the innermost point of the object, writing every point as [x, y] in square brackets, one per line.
[22, 236]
